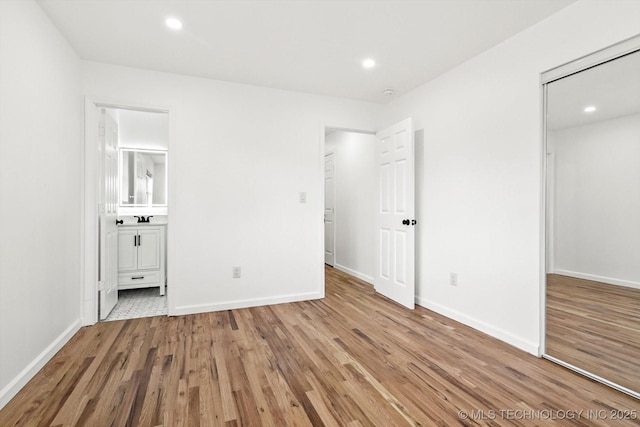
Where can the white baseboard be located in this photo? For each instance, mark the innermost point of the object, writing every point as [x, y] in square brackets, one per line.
[15, 385]
[481, 326]
[596, 278]
[354, 273]
[230, 305]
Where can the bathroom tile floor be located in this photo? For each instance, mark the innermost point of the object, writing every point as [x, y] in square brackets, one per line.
[135, 303]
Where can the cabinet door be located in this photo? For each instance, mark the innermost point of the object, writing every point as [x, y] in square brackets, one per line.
[149, 249]
[127, 249]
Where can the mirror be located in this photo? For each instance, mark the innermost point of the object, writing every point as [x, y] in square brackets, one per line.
[593, 222]
[143, 178]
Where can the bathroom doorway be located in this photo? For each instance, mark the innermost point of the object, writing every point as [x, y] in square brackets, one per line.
[132, 218]
[142, 140]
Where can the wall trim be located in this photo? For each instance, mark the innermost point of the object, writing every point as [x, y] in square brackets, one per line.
[354, 273]
[17, 383]
[596, 278]
[509, 338]
[598, 57]
[230, 305]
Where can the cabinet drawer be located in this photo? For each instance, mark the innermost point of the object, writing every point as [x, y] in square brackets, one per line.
[139, 278]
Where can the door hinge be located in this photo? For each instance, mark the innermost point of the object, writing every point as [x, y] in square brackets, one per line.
[100, 285]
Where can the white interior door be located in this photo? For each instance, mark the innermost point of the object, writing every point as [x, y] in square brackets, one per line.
[108, 208]
[395, 214]
[329, 203]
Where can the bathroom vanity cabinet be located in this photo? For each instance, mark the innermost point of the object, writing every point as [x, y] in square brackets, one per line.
[141, 256]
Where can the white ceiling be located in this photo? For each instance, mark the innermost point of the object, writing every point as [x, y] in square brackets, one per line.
[308, 46]
[613, 88]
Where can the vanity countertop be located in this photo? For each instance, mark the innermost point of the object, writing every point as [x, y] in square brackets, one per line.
[132, 221]
[142, 224]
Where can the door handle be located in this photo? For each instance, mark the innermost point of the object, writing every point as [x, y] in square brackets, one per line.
[137, 278]
[119, 221]
[405, 222]
[414, 222]
[139, 240]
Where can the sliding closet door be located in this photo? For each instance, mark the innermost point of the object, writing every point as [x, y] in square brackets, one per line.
[593, 221]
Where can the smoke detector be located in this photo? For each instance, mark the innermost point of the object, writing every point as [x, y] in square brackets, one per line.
[388, 92]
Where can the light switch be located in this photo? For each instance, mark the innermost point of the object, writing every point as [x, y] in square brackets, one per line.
[303, 197]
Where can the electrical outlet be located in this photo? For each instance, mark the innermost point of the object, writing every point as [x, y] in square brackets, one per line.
[237, 272]
[453, 279]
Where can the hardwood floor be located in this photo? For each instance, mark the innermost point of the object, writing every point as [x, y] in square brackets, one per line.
[351, 359]
[595, 326]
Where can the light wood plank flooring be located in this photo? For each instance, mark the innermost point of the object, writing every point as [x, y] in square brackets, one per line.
[351, 359]
[595, 326]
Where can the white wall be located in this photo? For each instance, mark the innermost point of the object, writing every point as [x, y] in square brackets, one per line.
[240, 157]
[354, 202]
[597, 201]
[481, 170]
[141, 129]
[40, 112]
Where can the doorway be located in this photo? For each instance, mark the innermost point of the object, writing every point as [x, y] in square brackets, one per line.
[372, 214]
[131, 147]
[142, 142]
[349, 176]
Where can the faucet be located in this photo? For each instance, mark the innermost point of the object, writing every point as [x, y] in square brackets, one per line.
[143, 219]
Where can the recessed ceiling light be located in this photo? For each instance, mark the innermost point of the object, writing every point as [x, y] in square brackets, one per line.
[590, 109]
[368, 63]
[173, 23]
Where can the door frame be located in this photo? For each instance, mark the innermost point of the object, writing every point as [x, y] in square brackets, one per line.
[89, 200]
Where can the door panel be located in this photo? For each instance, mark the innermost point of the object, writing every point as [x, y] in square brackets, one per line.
[401, 262]
[395, 259]
[108, 141]
[400, 190]
[385, 251]
[329, 209]
[385, 188]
